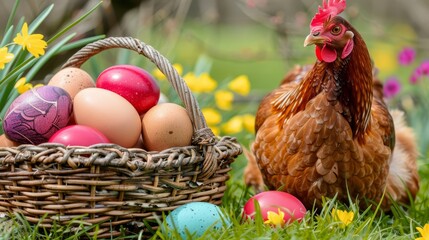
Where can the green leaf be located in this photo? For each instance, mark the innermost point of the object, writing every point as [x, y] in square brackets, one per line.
[80, 43]
[80, 19]
[39, 19]
[7, 37]
[11, 16]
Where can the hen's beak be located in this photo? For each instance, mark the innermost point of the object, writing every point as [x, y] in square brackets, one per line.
[314, 39]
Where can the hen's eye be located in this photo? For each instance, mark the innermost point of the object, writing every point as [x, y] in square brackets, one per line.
[336, 30]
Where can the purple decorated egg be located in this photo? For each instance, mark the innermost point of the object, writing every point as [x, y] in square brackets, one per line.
[37, 114]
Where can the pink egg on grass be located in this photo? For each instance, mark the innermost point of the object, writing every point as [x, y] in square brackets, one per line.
[78, 135]
[276, 202]
[37, 114]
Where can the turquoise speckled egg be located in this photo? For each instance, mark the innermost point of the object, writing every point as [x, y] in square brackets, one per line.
[195, 218]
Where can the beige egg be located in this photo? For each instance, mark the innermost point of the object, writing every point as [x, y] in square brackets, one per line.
[110, 113]
[72, 80]
[6, 142]
[166, 125]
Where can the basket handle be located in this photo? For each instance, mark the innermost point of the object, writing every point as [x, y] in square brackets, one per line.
[203, 135]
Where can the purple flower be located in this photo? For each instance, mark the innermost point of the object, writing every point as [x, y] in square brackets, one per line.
[391, 87]
[406, 56]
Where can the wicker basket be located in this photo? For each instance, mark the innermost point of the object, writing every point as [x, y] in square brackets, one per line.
[111, 185]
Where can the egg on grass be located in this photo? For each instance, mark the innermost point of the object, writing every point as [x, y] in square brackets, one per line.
[191, 220]
[276, 207]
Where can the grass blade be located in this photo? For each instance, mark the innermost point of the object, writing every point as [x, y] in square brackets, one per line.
[11, 16]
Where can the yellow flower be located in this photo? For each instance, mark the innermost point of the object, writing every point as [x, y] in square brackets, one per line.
[424, 232]
[159, 75]
[212, 116]
[276, 219]
[233, 126]
[34, 43]
[215, 130]
[22, 86]
[208, 84]
[384, 58]
[240, 85]
[224, 99]
[201, 84]
[249, 122]
[343, 216]
[5, 57]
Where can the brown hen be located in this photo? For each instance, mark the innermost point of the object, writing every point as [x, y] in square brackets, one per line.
[326, 131]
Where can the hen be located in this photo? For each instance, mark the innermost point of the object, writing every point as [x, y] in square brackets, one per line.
[326, 131]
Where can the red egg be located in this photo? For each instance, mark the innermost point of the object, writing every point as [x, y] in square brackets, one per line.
[78, 135]
[275, 201]
[132, 83]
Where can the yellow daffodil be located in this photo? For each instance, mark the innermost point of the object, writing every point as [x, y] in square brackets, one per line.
[275, 218]
[208, 84]
[424, 232]
[224, 99]
[249, 122]
[343, 216]
[233, 126]
[240, 85]
[200, 84]
[5, 57]
[34, 43]
[192, 81]
[22, 86]
[212, 116]
[160, 76]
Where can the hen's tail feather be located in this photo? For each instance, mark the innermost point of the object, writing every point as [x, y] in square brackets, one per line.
[403, 179]
[252, 173]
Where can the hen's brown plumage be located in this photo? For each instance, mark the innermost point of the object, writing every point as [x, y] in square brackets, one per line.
[326, 131]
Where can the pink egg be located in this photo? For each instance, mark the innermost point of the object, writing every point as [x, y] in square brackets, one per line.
[37, 114]
[78, 135]
[275, 201]
[132, 83]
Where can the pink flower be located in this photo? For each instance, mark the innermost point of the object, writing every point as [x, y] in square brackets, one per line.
[406, 56]
[391, 87]
[421, 71]
[424, 67]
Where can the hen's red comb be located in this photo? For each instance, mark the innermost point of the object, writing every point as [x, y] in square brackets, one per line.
[329, 9]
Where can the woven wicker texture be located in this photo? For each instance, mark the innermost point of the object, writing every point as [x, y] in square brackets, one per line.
[111, 185]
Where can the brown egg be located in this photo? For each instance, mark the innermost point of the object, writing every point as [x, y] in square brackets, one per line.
[72, 80]
[110, 113]
[6, 142]
[166, 125]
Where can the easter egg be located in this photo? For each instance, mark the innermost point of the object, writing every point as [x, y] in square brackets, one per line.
[132, 83]
[5, 142]
[166, 125]
[78, 135]
[37, 114]
[109, 113]
[194, 219]
[72, 80]
[276, 202]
